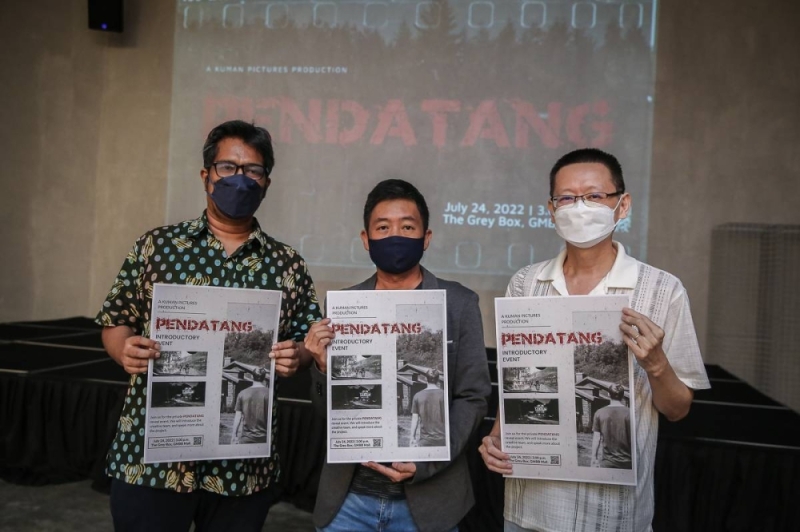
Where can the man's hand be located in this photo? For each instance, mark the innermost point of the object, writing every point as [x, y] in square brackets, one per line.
[287, 357]
[129, 351]
[399, 471]
[317, 341]
[495, 459]
[644, 339]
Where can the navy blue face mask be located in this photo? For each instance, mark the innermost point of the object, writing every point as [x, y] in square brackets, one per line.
[237, 196]
[396, 254]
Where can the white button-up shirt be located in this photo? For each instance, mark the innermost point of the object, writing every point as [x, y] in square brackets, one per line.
[559, 506]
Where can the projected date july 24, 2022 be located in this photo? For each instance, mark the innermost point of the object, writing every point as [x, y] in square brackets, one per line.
[491, 215]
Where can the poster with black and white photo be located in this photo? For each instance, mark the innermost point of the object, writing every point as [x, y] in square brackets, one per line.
[387, 376]
[210, 393]
[566, 404]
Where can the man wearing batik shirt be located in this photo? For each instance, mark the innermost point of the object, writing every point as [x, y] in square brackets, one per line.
[223, 247]
[587, 200]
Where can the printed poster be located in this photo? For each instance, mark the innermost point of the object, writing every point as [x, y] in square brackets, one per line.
[210, 393]
[565, 375]
[387, 376]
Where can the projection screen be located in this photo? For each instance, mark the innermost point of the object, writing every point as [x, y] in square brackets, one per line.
[472, 101]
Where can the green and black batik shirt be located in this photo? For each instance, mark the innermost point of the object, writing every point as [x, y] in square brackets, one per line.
[188, 253]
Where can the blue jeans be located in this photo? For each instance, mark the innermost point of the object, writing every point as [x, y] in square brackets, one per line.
[363, 513]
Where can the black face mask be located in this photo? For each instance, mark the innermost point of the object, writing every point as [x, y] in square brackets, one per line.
[237, 196]
[396, 254]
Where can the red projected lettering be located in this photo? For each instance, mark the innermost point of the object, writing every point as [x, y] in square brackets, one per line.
[438, 110]
[393, 122]
[308, 124]
[528, 117]
[485, 123]
[502, 123]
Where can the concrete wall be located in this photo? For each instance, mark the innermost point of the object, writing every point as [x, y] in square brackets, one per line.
[726, 131]
[85, 135]
[84, 139]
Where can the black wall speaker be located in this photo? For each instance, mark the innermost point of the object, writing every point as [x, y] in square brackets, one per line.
[105, 15]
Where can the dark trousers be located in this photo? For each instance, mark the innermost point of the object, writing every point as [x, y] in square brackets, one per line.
[139, 508]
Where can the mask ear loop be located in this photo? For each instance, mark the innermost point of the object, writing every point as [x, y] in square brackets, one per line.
[615, 210]
[206, 185]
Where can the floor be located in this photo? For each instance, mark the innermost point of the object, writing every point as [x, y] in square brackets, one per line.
[76, 507]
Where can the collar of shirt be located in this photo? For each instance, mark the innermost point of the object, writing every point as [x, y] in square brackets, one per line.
[623, 273]
[198, 226]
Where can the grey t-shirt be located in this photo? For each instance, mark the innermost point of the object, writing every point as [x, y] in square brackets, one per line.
[253, 403]
[429, 405]
[614, 423]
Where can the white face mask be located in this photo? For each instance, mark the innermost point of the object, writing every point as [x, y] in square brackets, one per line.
[584, 224]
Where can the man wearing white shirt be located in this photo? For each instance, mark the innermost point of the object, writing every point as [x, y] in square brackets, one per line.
[587, 201]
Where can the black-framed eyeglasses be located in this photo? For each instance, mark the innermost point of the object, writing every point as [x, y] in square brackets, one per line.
[229, 168]
[568, 199]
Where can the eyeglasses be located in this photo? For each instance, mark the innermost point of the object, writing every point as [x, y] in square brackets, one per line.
[228, 168]
[565, 200]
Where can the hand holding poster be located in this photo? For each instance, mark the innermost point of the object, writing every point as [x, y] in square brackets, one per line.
[566, 407]
[210, 393]
[387, 376]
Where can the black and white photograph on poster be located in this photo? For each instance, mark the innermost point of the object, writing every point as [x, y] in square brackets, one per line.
[356, 397]
[178, 394]
[355, 367]
[181, 363]
[245, 404]
[602, 399]
[421, 400]
[531, 411]
[530, 380]
[426, 423]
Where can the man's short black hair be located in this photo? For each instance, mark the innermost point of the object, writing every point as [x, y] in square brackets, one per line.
[393, 189]
[616, 392]
[254, 136]
[261, 375]
[590, 155]
[431, 376]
